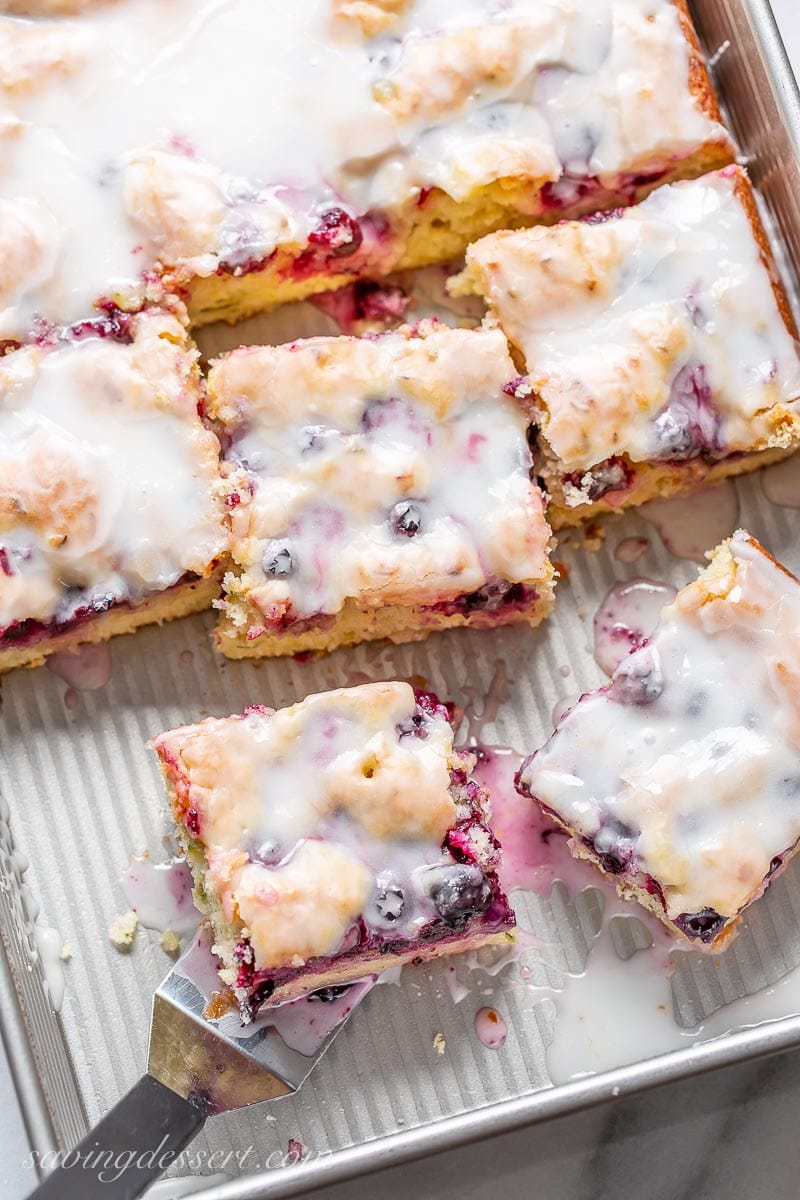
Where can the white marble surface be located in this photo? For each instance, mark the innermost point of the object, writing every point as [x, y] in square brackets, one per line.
[727, 1136]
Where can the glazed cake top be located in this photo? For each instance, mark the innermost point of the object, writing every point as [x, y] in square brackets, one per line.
[106, 473]
[127, 135]
[393, 470]
[686, 767]
[315, 815]
[655, 332]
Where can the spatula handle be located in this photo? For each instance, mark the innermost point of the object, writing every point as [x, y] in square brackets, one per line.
[131, 1146]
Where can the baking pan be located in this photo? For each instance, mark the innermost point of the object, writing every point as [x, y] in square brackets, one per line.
[80, 794]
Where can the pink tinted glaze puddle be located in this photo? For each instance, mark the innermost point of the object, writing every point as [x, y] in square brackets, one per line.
[691, 525]
[490, 1027]
[161, 895]
[626, 617]
[631, 549]
[534, 849]
[781, 484]
[84, 670]
[71, 698]
[304, 1025]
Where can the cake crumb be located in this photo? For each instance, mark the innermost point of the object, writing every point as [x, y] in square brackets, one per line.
[66, 952]
[170, 942]
[439, 1043]
[123, 931]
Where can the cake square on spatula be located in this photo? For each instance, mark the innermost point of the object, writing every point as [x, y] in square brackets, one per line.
[377, 487]
[681, 777]
[334, 839]
[657, 343]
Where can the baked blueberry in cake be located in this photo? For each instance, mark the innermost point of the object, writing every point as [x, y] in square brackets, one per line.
[376, 487]
[659, 351]
[110, 509]
[390, 134]
[334, 839]
[680, 778]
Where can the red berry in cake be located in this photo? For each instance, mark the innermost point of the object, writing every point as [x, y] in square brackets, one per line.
[337, 232]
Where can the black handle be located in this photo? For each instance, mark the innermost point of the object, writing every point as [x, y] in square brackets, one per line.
[132, 1146]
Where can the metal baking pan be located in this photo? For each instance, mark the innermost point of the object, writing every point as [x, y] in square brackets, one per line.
[80, 794]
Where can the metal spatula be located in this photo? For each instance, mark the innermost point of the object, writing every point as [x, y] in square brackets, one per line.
[194, 1071]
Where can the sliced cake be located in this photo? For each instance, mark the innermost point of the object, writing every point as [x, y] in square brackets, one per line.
[390, 133]
[377, 488]
[680, 779]
[334, 839]
[657, 344]
[110, 509]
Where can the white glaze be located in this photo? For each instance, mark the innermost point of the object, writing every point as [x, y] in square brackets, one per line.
[656, 333]
[160, 893]
[490, 1028]
[83, 670]
[707, 775]
[106, 474]
[626, 617]
[440, 433]
[307, 813]
[139, 131]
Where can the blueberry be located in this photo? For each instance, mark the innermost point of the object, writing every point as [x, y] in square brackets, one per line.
[388, 410]
[674, 440]
[460, 892]
[689, 425]
[703, 925]
[327, 995]
[615, 846]
[279, 564]
[406, 518]
[637, 680]
[609, 476]
[390, 900]
[315, 437]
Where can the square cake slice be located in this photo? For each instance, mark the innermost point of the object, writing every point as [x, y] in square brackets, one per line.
[658, 344]
[334, 839]
[111, 513]
[681, 777]
[377, 488]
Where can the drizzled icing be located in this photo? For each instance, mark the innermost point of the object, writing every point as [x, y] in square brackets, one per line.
[335, 810]
[106, 474]
[655, 332]
[683, 775]
[128, 139]
[393, 470]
